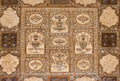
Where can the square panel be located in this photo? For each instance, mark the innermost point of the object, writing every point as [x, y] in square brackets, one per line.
[59, 2]
[33, 65]
[109, 39]
[59, 78]
[9, 2]
[9, 79]
[59, 61]
[9, 40]
[112, 2]
[109, 79]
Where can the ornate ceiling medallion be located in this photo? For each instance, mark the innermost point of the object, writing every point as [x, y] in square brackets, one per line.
[35, 65]
[83, 19]
[33, 78]
[85, 78]
[109, 63]
[59, 41]
[9, 63]
[109, 17]
[9, 18]
[85, 2]
[83, 64]
[33, 2]
[35, 19]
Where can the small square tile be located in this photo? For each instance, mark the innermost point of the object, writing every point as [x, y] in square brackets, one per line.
[109, 79]
[9, 79]
[59, 2]
[59, 78]
[109, 39]
[9, 2]
[9, 40]
[112, 2]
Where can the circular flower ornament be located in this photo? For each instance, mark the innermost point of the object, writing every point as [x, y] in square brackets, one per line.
[9, 63]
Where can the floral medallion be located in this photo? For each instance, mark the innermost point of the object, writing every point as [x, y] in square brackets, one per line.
[108, 17]
[83, 19]
[109, 63]
[35, 65]
[9, 18]
[83, 64]
[9, 63]
[59, 41]
[35, 18]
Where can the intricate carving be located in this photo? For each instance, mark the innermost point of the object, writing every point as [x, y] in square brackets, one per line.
[109, 17]
[59, 24]
[9, 63]
[85, 2]
[85, 78]
[33, 2]
[83, 44]
[83, 64]
[35, 65]
[59, 65]
[35, 44]
[9, 18]
[109, 63]
[83, 19]
[33, 78]
[35, 18]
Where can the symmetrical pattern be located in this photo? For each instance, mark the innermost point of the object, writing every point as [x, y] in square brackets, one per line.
[59, 40]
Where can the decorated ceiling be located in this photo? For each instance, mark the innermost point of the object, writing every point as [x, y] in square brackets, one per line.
[59, 40]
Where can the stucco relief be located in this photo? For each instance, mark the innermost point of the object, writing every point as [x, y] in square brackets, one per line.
[109, 63]
[9, 63]
[83, 19]
[83, 44]
[33, 2]
[59, 24]
[108, 17]
[59, 64]
[85, 78]
[83, 64]
[35, 43]
[9, 18]
[35, 18]
[33, 78]
[85, 2]
[35, 65]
